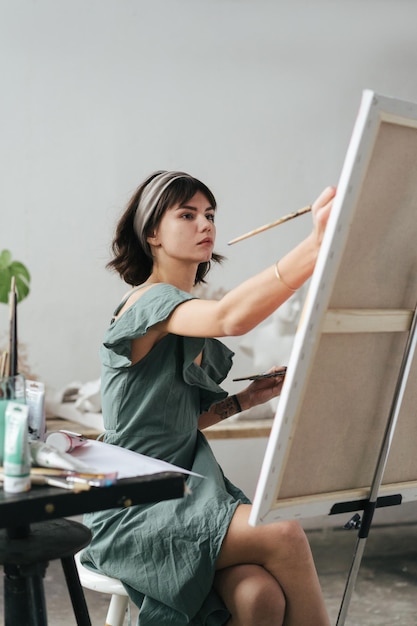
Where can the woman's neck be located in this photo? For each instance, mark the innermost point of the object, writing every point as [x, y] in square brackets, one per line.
[183, 280]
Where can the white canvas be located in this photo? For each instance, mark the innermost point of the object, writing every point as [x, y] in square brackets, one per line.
[347, 354]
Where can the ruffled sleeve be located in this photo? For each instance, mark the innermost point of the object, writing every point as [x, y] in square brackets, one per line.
[156, 305]
[216, 364]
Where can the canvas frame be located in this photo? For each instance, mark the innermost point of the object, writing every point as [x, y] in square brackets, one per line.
[347, 358]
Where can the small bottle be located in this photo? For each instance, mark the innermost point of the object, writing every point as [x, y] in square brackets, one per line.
[65, 440]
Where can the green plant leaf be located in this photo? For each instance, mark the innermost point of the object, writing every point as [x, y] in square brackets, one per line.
[8, 269]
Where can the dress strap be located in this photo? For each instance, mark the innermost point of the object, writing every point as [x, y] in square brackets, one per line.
[125, 299]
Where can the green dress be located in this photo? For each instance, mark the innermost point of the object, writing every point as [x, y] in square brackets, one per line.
[165, 552]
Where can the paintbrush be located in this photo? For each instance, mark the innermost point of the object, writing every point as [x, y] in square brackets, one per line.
[281, 220]
[13, 329]
[92, 479]
[4, 364]
[62, 483]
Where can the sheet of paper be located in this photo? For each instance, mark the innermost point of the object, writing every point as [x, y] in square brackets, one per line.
[105, 458]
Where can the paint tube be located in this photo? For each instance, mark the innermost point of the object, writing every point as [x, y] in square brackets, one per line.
[65, 440]
[35, 399]
[44, 455]
[16, 449]
[11, 388]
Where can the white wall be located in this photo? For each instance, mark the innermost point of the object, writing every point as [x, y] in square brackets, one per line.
[258, 98]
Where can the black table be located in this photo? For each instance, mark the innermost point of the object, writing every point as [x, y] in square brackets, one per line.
[35, 531]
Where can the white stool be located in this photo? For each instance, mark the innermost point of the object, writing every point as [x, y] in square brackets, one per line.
[104, 584]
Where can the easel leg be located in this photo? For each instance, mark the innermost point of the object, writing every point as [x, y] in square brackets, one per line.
[351, 581]
[356, 561]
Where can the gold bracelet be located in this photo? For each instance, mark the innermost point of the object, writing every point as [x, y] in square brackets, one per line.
[278, 275]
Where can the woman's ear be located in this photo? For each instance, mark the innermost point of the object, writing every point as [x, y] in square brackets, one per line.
[152, 238]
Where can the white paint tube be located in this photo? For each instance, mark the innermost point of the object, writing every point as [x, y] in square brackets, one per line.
[45, 455]
[16, 449]
[35, 399]
[65, 440]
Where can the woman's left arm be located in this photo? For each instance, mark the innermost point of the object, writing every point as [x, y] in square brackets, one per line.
[258, 392]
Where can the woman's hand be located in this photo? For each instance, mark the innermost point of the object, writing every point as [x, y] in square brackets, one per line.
[261, 390]
[321, 210]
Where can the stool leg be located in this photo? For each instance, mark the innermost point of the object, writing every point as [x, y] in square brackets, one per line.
[117, 610]
[24, 597]
[76, 592]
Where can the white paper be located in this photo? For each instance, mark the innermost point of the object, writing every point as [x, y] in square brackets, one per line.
[106, 458]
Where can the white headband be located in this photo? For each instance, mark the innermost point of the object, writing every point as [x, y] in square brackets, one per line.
[149, 199]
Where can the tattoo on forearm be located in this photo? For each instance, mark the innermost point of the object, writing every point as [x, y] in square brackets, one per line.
[227, 407]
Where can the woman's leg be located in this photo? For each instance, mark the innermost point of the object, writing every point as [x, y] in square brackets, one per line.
[252, 596]
[283, 550]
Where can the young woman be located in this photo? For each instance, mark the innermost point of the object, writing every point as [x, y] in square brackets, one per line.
[194, 560]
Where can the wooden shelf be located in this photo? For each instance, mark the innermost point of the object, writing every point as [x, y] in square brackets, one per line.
[228, 429]
[239, 429]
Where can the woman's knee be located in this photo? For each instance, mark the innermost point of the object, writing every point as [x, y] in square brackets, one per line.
[292, 532]
[265, 545]
[288, 541]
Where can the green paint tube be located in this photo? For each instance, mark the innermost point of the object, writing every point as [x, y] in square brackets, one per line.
[16, 449]
[11, 388]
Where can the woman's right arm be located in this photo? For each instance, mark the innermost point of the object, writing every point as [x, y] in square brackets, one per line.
[248, 304]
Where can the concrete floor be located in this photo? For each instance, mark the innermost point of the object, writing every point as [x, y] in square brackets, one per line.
[385, 592]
